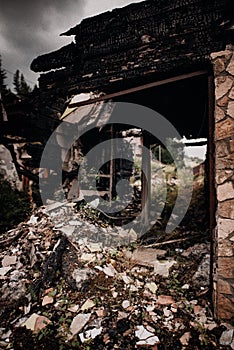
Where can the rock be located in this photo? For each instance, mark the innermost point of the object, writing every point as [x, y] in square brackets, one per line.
[89, 304]
[230, 110]
[9, 260]
[114, 294]
[224, 130]
[4, 270]
[73, 308]
[109, 270]
[144, 256]
[165, 300]
[202, 277]
[33, 220]
[185, 339]
[36, 322]
[81, 276]
[167, 312]
[226, 209]
[100, 312]
[47, 300]
[75, 223]
[88, 257]
[162, 268]
[226, 337]
[186, 286]
[197, 309]
[223, 85]
[125, 304]
[210, 326]
[219, 66]
[224, 54]
[68, 230]
[127, 279]
[41, 322]
[132, 235]
[95, 247]
[230, 67]
[152, 287]
[145, 337]
[226, 227]
[90, 334]
[78, 324]
[225, 191]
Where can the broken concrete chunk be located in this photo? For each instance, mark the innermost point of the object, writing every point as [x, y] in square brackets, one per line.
[33, 220]
[185, 339]
[68, 230]
[9, 260]
[78, 323]
[95, 247]
[81, 275]
[75, 223]
[36, 322]
[226, 337]
[73, 308]
[165, 300]
[152, 287]
[41, 322]
[125, 304]
[31, 321]
[145, 337]
[47, 300]
[127, 279]
[162, 268]
[90, 334]
[87, 305]
[88, 257]
[4, 270]
[109, 270]
[144, 256]
[186, 286]
[132, 235]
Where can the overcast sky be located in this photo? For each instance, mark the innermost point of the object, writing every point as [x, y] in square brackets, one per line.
[29, 28]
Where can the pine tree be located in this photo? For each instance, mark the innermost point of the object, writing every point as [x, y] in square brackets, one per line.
[22, 89]
[2, 78]
[25, 88]
[16, 82]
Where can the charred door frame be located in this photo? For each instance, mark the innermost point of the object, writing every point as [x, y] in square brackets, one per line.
[210, 150]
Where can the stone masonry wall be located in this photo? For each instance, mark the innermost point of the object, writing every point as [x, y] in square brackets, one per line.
[223, 273]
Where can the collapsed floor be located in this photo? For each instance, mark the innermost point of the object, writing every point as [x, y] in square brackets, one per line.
[62, 288]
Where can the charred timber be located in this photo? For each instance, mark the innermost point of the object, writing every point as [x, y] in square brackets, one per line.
[154, 37]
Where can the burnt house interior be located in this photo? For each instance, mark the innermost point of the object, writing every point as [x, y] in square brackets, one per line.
[157, 57]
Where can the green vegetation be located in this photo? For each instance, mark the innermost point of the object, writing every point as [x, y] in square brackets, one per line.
[14, 206]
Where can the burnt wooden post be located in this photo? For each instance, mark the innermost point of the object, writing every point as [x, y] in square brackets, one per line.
[145, 178]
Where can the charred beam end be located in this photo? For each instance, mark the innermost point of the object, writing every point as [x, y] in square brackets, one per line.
[54, 60]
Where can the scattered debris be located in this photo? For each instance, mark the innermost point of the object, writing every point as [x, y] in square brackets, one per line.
[145, 337]
[36, 322]
[9, 260]
[185, 339]
[78, 323]
[77, 291]
[162, 268]
[227, 337]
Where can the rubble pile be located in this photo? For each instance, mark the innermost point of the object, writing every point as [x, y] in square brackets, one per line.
[64, 287]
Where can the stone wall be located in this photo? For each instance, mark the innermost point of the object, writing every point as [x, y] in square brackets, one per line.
[223, 273]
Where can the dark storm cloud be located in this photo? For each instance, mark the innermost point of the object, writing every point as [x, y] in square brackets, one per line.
[30, 28]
